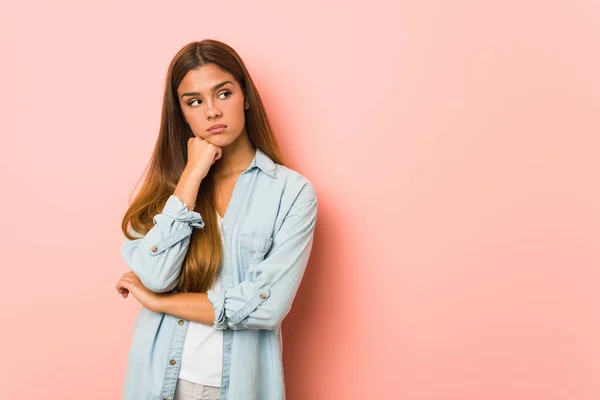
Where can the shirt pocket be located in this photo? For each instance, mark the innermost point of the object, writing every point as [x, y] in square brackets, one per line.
[253, 249]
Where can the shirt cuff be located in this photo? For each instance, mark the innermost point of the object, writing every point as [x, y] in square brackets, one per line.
[179, 211]
[217, 298]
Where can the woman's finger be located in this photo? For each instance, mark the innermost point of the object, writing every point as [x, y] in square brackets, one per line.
[124, 283]
[124, 291]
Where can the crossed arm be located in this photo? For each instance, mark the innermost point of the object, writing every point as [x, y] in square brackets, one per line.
[259, 302]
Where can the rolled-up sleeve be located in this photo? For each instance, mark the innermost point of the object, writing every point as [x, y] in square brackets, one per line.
[263, 301]
[157, 257]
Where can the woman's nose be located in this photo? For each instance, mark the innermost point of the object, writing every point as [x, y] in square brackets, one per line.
[213, 112]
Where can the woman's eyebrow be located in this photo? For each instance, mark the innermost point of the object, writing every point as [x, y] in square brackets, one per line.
[217, 86]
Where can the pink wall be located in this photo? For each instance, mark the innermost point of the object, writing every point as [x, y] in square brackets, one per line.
[454, 147]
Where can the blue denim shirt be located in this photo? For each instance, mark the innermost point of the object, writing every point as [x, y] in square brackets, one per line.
[268, 234]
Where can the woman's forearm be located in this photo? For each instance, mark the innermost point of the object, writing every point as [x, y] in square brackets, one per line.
[191, 306]
[188, 186]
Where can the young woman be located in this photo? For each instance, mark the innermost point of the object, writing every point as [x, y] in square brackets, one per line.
[217, 239]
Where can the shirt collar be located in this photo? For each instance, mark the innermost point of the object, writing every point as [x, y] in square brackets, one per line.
[263, 162]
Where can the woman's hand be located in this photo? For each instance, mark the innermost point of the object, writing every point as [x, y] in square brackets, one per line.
[130, 283]
[202, 155]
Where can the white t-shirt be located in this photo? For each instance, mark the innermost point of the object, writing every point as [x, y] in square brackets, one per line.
[203, 349]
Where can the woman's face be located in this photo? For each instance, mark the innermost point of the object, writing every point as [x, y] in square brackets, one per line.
[210, 96]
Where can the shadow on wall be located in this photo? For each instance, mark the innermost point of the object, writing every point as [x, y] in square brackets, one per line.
[311, 345]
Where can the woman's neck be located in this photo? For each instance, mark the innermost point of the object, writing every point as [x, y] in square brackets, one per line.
[236, 158]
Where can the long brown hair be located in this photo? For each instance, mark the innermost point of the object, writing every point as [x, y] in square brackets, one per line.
[203, 260]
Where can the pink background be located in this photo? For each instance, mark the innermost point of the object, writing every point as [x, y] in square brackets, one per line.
[454, 147]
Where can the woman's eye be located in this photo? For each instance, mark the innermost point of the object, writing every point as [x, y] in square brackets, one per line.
[225, 92]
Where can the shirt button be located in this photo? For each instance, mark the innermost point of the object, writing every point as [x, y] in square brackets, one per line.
[154, 248]
[263, 295]
[180, 322]
[172, 362]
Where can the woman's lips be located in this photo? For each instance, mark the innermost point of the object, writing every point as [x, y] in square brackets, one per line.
[216, 128]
